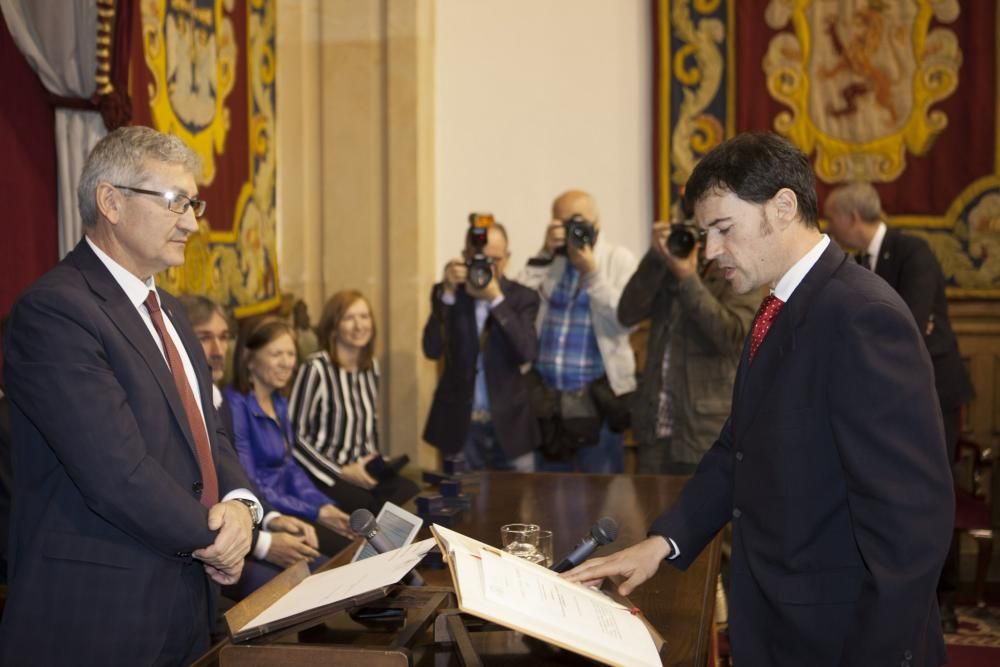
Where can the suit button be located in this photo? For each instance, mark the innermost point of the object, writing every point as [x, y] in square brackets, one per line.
[182, 554]
[739, 456]
[736, 513]
[197, 487]
[907, 654]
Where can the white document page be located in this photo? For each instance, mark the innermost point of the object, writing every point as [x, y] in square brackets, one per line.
[530, 598]
[345, 582]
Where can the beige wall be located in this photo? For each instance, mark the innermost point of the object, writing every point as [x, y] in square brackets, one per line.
[398, 117]
[355, 165]
[537, 96]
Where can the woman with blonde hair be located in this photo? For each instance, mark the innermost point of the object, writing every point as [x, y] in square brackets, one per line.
[334, 409]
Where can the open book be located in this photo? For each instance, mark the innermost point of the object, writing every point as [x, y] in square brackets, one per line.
[526, 597]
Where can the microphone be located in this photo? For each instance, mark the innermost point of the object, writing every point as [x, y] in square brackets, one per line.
[363, 523]
[603, 532]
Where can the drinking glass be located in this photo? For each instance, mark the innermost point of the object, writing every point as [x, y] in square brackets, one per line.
[545, 548]
[520, 539]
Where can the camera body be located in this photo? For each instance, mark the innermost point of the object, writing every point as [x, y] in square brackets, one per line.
[479, 266]
[682, 238]
[579, 231]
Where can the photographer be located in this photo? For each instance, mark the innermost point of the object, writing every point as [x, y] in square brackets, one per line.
[584, 355]
[483, 326]
[695, 338]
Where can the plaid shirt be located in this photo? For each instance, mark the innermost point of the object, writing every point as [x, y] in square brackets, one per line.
[568, 356]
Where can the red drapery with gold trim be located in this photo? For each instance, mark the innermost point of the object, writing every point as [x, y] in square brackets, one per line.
[901, 93]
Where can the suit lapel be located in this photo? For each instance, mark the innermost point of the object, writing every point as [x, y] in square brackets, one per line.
[754, 380]
[886, 263]
[125, 317]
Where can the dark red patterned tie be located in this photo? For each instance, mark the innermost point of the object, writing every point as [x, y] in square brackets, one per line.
[769, 309]
[210, 490]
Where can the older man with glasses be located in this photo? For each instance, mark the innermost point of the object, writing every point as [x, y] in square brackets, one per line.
[129, 501]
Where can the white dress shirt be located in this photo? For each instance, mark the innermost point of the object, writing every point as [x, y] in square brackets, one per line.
[137, 290]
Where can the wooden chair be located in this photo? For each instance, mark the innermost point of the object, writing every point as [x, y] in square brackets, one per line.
[972, 507]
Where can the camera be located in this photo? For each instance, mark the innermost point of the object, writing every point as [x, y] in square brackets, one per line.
[682, 238]
[480, 267]
[579, 231]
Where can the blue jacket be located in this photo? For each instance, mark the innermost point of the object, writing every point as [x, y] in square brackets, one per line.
[263, 447]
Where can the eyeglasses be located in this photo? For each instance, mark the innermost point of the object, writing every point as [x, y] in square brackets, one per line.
[176, 202]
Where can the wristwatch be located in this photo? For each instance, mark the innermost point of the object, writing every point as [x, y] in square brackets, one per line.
[256, 513]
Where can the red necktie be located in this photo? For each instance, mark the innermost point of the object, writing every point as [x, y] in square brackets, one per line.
[769, 309]
[210, 490]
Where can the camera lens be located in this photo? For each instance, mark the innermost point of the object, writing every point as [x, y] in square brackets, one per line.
[681, 241]
[579, 232]
[480, 272]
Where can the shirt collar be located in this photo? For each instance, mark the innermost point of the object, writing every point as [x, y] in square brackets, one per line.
[135, 289]
[875, 246]
[783, 290]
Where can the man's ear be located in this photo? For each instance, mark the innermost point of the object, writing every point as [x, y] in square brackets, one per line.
[109, 202]
[785, 207]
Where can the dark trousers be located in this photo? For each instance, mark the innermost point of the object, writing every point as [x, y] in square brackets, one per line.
[189, 627]
[948, 582]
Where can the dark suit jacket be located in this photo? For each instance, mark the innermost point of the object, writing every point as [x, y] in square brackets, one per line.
[910, 267]
[6, 483]
[510, 341]
[833, 471]
[106, 476]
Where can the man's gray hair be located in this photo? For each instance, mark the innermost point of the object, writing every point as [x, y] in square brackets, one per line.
[860, 197]
[120, 158]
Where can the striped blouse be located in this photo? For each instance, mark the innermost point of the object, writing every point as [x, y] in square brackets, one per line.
[333, 414]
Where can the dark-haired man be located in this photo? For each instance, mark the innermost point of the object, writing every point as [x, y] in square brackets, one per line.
[832, 466]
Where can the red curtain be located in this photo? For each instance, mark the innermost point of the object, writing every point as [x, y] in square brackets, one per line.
[29, 221]
[962, 153]
[822, 73]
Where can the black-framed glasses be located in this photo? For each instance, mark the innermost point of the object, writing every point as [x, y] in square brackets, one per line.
[176, 202]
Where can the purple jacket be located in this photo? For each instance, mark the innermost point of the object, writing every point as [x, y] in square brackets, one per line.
[262, 445]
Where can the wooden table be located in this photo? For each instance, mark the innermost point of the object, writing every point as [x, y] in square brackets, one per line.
[678, 604]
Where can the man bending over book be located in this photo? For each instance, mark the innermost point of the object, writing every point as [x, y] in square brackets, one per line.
[832, 466]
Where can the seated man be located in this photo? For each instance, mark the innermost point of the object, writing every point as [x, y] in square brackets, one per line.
[283, 539]
[485, 335]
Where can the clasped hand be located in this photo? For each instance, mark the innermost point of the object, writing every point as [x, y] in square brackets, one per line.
[292, 540]
[223, 559]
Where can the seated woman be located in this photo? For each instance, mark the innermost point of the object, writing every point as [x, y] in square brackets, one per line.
[262, 433]
[333, 409]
